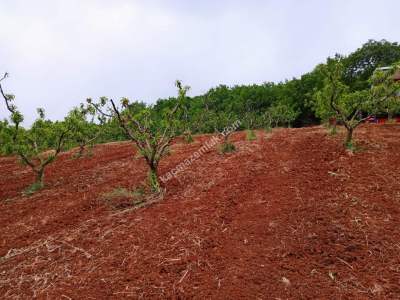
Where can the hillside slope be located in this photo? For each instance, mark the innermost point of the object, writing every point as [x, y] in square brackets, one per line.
[288, 216]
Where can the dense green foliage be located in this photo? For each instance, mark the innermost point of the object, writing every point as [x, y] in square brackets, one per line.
[288, 103]
[361, 64]
[84, 130]
[351, 107]
[5, 138]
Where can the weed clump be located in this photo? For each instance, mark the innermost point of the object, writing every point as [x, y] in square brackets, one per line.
[188, 137]
[121, 197]
[268, 129]
[333, 130]
[250, 135]
[227, 148]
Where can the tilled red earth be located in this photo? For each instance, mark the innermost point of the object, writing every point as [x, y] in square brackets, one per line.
[291, 215]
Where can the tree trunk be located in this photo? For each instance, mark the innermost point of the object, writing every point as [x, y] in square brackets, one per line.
[154, 180]
[39, 176]
[390, 115]
[81, 150]
[349, 136]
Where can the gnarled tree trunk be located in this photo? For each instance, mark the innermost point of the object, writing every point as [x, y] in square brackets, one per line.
[349, 135]
[39, 176]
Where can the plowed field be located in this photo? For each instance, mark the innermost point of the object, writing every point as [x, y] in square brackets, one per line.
[290, 215]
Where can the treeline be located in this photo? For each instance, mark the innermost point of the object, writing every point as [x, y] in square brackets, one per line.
[288, 103]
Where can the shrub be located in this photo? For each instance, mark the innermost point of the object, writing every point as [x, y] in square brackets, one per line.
[85, 130]
[227, 147]
[188, 137]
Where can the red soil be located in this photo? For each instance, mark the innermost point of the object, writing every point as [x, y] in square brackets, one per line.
[291, 216]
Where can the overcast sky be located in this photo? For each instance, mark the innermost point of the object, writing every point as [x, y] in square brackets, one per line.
[58, 53]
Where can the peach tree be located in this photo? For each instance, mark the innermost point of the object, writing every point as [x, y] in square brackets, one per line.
[38, 146]
[85, 126]
[353, 107]
[151, 131]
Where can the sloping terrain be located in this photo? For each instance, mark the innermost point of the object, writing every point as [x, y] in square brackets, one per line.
[291, 215]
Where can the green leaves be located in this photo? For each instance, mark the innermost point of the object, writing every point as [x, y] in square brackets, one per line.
[150, 128]
[17, 117]
[6, 135]
[383, 83]
[41, 113]
[30, 145]
[81, 122]
[362, 63]
[352, 107]
[386, 88]
[280, 114]
[42, 136]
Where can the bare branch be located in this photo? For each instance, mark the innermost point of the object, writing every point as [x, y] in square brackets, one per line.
[4, 76]
[6, 98]
[100, 111]
[26, 160]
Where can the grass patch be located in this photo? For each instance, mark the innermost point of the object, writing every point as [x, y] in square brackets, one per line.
[268, 129]
[120, 198]
[227, 148]
[87, 153]
[333, 130]
[188, 137]
[250, 135]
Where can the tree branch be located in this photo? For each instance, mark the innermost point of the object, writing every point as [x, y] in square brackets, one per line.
[6, 99]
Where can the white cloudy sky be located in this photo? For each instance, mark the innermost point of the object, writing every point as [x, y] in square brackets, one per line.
[59, 52]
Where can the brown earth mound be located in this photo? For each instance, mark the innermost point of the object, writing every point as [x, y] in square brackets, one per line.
[291, 215]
